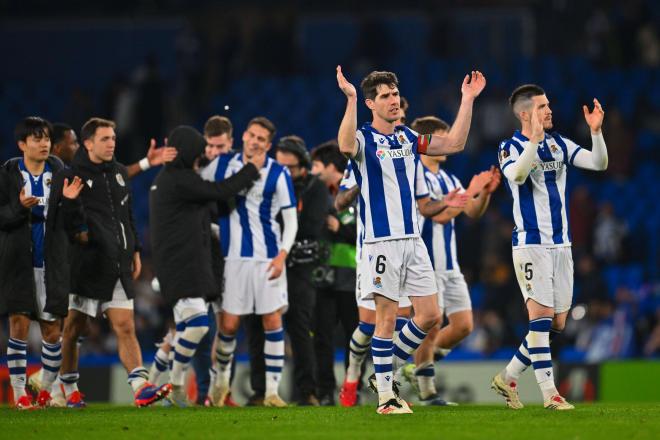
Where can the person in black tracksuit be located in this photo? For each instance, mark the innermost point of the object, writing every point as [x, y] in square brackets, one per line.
[181, 240]
[105, 260]
[314, 204]
[33, 249]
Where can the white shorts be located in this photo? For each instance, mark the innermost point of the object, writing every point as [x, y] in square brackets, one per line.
[453, 293]
[187, 308]
[90, 306]
[396, 269]
[248, 290]
[545, 275]
[40, 285]
[370, 304]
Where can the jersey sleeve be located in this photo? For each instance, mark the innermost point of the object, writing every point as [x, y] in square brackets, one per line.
[208, 172]
[285, 196]
[360, 142]
[348, 181]
[507, 154]
[571, 149]
[421, 187]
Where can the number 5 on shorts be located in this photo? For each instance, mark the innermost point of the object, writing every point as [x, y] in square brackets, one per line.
[529, 273]
[380, 264]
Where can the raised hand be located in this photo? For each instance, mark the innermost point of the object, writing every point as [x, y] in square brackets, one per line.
[537, 126]
[27, 202]
[344, 85]
[455, 200]
[495, 181]
[72, 190]
[159, 156]
[479, 182]
[473, 84]
[594, 118]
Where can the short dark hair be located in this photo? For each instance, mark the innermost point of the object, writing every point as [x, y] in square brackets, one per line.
[32, 126]
[265, 123]
[371, 82]
[88, 130]
[404, 104]
[525, 92]
[217, 126]
[328, 153]
[59, 131]
[428, 125]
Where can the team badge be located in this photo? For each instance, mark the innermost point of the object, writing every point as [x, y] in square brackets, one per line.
[120, 179]
[402, 139]
[48, 181]
[378, 283]
[553, 148]
[90, 182]
[528, 286]
[503, 155]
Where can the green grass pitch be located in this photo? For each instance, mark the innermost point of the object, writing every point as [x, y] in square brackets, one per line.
[98, 421]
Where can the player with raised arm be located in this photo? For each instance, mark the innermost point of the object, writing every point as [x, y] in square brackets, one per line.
[535, 166]
[439, 237]
[394, 258]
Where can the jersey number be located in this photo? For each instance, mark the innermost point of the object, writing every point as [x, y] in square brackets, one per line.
[380, 264]
[529, 273]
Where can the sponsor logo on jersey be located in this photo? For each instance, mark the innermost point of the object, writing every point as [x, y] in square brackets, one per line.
[378, 283]
[394, 154]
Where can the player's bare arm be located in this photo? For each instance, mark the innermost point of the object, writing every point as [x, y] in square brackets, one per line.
[456, 138]
[346, 197]
[478, 195]
[596, 159]
[430, 208]
[348, 127]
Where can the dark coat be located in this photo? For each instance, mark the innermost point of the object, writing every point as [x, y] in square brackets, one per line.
[104, 210]
[17, 283]
[180, 222]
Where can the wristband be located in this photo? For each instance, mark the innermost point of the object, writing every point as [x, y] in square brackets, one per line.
[423, 141]
[144, 164]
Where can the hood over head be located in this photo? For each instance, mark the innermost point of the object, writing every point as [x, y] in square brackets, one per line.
[189, 144]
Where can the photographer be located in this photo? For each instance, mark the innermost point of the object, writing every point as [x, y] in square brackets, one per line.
[314, 204]
[335, 301]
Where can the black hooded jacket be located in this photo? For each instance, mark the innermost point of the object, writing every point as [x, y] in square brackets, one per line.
[104, 210]
[17, 283]
[179, 219]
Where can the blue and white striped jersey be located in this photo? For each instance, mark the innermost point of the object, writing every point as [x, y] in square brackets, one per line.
[250, 231]
[540, 210]
[386, 169]
[440, 239]
[37, 186]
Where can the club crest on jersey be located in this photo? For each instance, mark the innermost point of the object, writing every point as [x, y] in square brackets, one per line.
[528, 287]
[48, 181]
[120, 179]
[554, 148]
[90, 182]
[402, 139]
[378, 283]
[503, 155]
